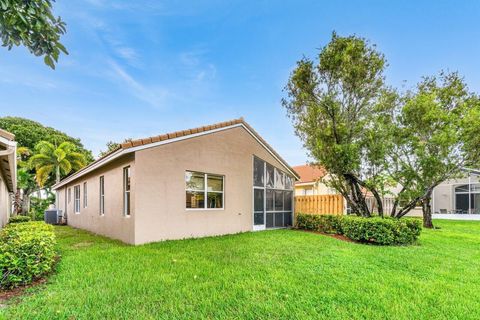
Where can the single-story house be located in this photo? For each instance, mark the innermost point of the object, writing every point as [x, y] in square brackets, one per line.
[8, 174]
[212, 180]
[458, 196]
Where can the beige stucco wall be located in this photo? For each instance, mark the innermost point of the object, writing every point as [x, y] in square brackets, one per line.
[113, 223]
[5, 203]
[160, 186]
[318, 188]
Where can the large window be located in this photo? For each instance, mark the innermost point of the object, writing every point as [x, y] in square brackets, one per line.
[204, 190]
[126, 191]
[273, 195]
[76, 198]
[102, 195]
[85, 197]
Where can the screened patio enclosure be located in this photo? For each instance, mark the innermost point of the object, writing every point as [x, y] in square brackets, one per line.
[272, 196]
[467, 198]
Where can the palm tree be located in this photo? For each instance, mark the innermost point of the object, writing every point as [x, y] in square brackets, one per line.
[60, 160]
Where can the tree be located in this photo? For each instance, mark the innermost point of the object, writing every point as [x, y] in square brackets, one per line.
[112, 146]
[26, 184]
[336, 106]
[438, 134]
[32, 24]
[29, 133]
[51, 160]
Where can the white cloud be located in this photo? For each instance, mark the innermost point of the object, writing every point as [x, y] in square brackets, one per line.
[153, 96]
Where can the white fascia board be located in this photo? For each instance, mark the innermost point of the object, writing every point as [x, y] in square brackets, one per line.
[94, 166]
[300, 184]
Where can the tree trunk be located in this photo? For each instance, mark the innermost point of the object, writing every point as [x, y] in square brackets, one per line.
[57, 174]
[25, 203]
[427, 211]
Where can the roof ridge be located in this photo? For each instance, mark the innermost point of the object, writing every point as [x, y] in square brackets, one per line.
[177, 134]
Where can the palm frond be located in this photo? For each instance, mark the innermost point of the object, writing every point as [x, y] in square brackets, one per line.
[39, 160]
[65, 166]
[44, 147]
[68, 147]
[59, 154]
[43, 174]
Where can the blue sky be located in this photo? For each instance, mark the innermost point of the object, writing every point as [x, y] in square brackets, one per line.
[141, 68]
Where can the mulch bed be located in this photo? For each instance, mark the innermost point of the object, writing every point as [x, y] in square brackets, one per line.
[6, 295]
[336, 236]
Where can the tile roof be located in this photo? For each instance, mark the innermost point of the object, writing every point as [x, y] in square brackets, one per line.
[309, 173]
[179, 134]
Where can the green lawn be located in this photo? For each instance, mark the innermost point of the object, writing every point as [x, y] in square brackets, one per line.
[263, 275]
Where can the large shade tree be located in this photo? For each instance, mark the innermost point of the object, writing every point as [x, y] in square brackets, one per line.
[29, 133]
[32, 24]
[51, 160]
[337, 103]
[437, 136]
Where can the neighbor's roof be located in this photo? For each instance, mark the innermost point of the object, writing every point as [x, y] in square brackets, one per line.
[309, 173]
[7, 135]
[138, 144]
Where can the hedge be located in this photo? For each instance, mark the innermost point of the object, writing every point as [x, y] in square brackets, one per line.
[19, 219]
[27, 252]
[375, 230]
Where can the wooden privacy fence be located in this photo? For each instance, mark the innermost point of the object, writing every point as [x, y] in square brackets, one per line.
[320, 204]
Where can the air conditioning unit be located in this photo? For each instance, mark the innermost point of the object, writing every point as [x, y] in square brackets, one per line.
[53, 216]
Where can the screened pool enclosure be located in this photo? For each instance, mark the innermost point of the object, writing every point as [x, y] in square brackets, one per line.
[272, 196]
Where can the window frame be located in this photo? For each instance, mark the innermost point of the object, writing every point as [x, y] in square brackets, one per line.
[85, 195]
[101, 193]
[126, 212]
[76, 200]
[205, 191]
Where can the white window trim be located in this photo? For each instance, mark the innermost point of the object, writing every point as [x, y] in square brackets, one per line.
[101, 209]
[76, 200]
[85, 195]
[205, 192]
[125, 214]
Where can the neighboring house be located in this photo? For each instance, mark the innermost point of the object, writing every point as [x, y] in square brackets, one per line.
[213, 180]
[311, 181]
[458, 196]
[8, 174]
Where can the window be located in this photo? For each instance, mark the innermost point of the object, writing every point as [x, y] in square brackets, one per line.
[76, 195]
[85, 198]
[204, 191]
[66, 201]
[102, 195]
[126, 191]
[69, 195]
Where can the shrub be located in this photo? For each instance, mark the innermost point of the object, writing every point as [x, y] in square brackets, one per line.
[382, 231]
[19, 219]
[319, 223]
[27, 252]
[376, 230]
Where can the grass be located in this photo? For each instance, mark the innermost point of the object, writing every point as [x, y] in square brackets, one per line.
[264, 275]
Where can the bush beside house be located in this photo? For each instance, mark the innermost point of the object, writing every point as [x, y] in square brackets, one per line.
[27, 252]
[19, 219]
[375, 230]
